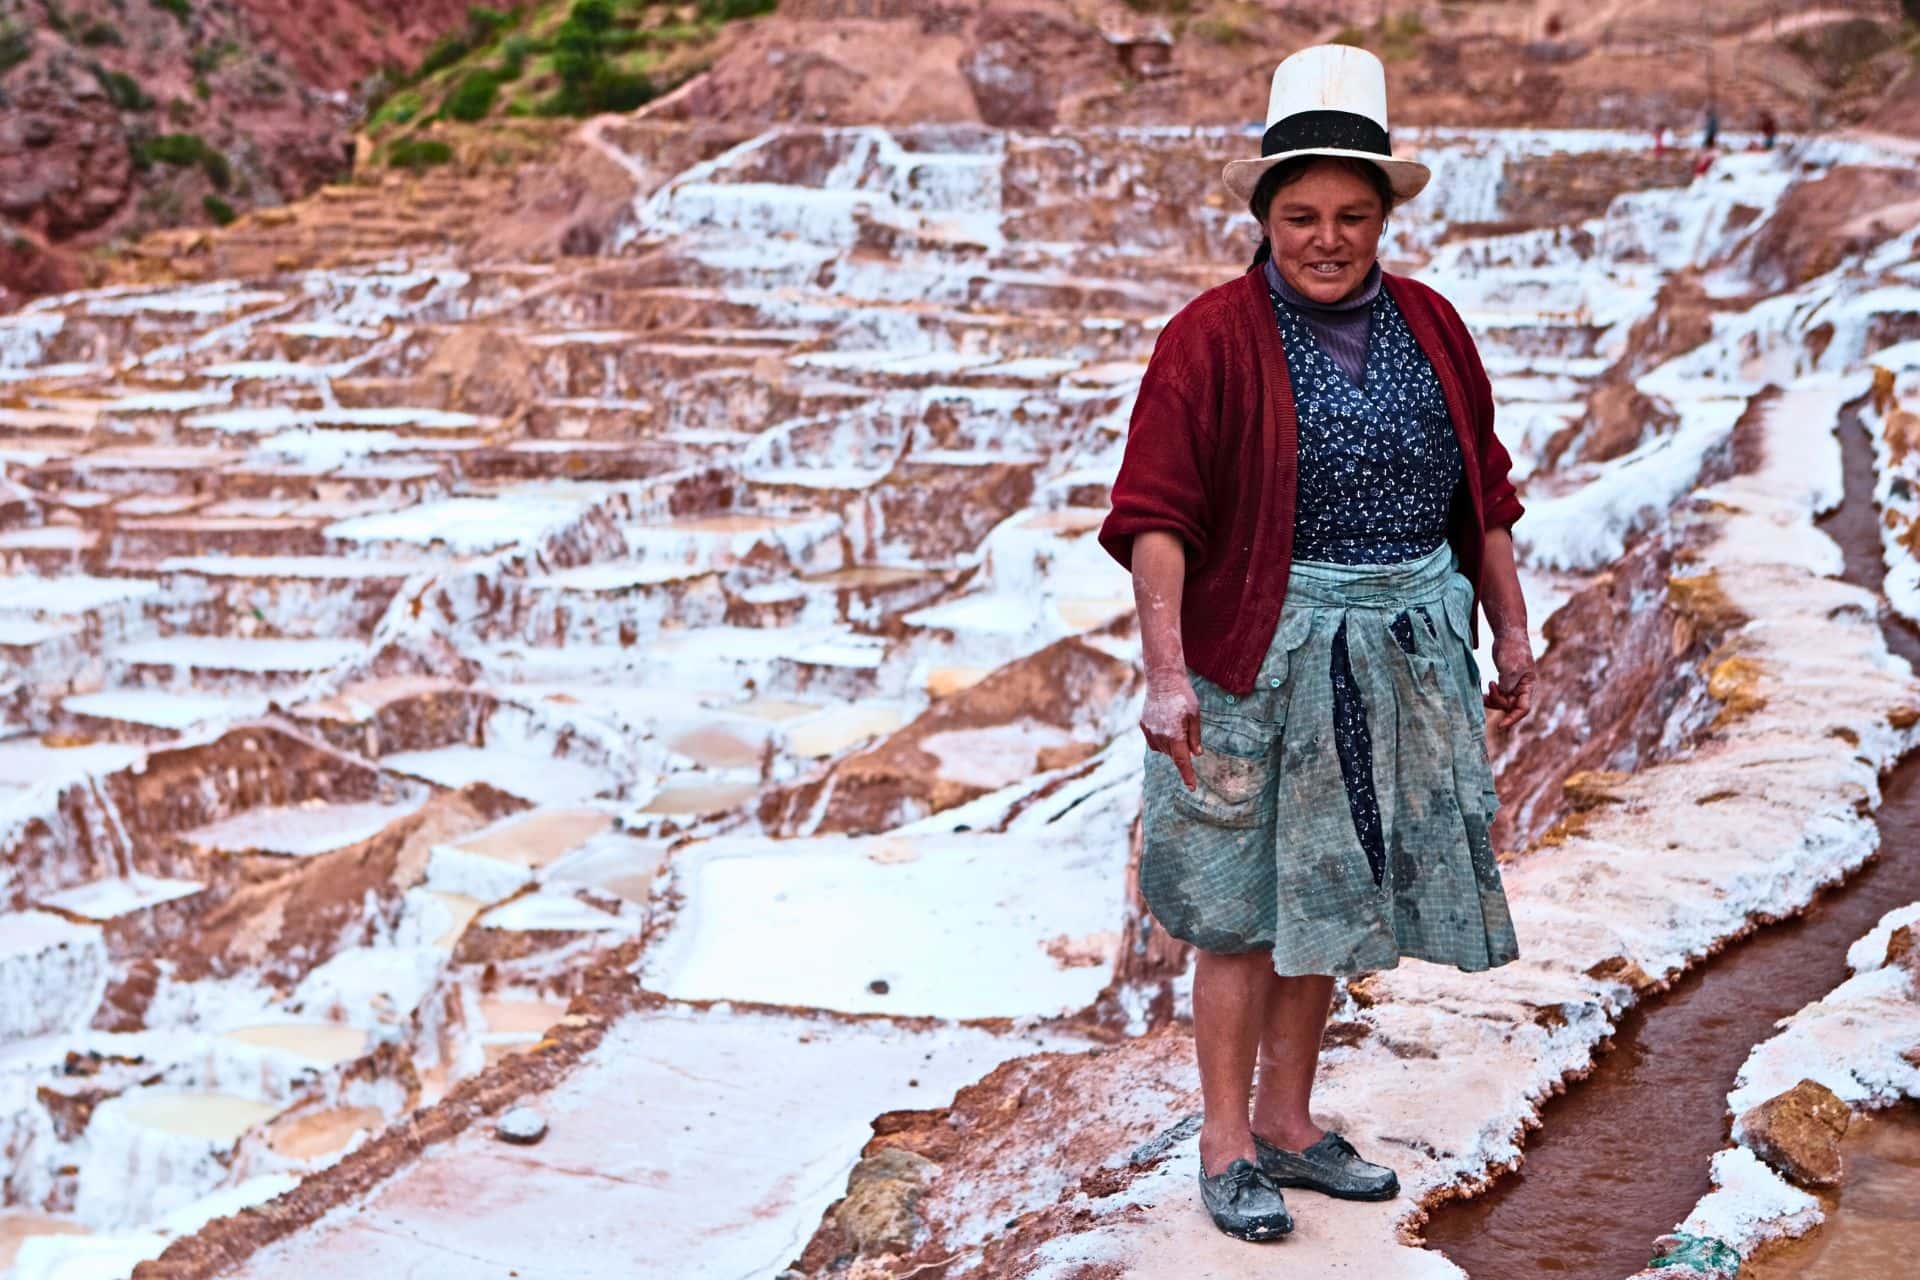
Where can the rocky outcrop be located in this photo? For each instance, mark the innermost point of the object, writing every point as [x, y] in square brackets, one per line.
[1798, 1132]
[1034, 63]
[1617, 684]
[65, 161]
[362, 36]
[122, 118]
[1837, 216]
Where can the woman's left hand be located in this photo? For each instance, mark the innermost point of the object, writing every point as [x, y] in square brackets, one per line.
[1511, 696]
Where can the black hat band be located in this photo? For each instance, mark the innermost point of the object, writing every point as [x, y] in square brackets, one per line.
[1340, 130]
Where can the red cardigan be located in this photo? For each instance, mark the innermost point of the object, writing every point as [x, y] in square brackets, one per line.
[1212, 456]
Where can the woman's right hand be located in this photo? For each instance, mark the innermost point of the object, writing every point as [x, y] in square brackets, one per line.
[1171, 721]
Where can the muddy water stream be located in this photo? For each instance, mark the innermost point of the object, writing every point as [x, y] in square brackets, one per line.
[1622, 1156]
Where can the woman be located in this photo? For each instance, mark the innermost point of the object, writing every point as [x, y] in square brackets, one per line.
[1311, 503]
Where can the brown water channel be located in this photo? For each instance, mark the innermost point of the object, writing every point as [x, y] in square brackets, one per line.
[1622, 1156]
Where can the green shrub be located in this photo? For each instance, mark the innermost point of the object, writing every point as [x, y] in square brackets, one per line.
[595, 15]
[16, 46]
[484, 23]
[513, 57]
[179, 149]
[1219, 31]
[1351, 35]
[398, 109]
[417, 153]
[625, 91]
[730, 10]
[122, 90]
[207, 58]
[612, 90]
[217, 209]
[447, 51]
[589, 81]
[473, 97]
[218, 168]
[183, 150]
[178, 8]
[102, 33]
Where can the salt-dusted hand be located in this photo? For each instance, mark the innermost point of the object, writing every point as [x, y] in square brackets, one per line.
[1171, 721]
[1511, 696]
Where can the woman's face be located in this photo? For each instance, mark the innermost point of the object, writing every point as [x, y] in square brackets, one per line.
[1324, 228]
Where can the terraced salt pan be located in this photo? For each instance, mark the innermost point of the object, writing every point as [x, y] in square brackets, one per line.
[24, 633]
[17, 1226]
[302, 830]
[325, 1043]
[537, 837]
[951, 926]
[163, 708]
[50, 537]
[123, 895]
[499, 859]
[320, 568]
[222, 298]
[555, 910]
[177, 1138]
[647, 1129]
[56, 1252]
[467, 525]
[609, 577]
[52, 973]
[30, 770]
[72, 595]
[539, 778]
[262, 655]
[167, 401]
[271, 370]
[621, 865]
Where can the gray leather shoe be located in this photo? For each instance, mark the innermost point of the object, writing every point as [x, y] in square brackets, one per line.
[1330, 1165]
[1244, 1203]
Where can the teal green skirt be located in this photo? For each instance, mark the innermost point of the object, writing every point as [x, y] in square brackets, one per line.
[1267, 852]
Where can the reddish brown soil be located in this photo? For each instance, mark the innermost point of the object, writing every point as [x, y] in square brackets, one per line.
[1614, 674]
[1842, 214]
[336, 44]
[266, 83]
[1027, 1106]
[1036, 64]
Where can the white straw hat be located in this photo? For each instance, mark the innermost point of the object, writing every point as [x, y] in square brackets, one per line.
[1328, 100]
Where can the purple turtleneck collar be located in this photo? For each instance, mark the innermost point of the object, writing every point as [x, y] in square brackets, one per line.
[1341, 327]
[1331, 312]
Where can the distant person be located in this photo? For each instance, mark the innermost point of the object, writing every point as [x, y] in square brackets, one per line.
[1312, 503]
[1660, 139]
[1710, 137]
[1769, 130]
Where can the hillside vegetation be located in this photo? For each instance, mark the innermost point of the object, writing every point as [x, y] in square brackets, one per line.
[575, 58]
